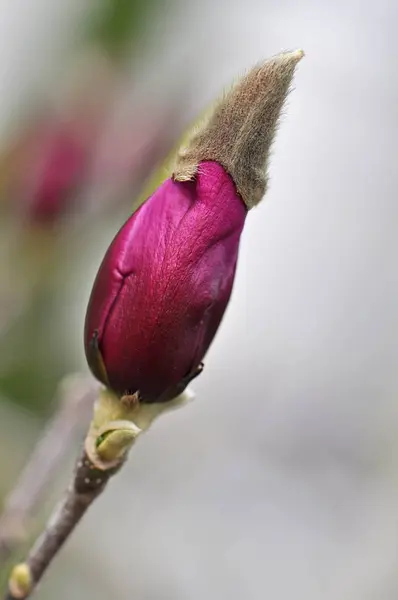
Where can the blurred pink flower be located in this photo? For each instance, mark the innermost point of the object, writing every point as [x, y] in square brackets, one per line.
[54, 169]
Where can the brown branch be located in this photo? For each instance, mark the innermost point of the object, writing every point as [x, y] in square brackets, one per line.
[77, 395]
[113, 430]
[88, 482]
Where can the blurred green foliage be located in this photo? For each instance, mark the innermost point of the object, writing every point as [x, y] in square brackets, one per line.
[118, 23]
[33, 365]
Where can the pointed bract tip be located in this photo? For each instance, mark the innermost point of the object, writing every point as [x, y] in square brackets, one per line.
[241, 129]
[295, 55]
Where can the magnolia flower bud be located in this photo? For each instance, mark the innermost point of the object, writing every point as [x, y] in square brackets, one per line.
[163, 286]
[166, 280]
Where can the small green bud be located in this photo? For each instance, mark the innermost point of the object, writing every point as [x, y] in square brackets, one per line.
[20, 582]
[114, 443]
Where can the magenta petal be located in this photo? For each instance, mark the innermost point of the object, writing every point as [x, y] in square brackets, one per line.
[164, 285]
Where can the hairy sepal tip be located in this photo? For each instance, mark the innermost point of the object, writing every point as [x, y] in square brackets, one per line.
[239, 132]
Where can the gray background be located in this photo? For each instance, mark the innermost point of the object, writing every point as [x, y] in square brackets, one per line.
[280, 480]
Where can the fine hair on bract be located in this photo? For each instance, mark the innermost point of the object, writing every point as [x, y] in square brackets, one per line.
[240, 130]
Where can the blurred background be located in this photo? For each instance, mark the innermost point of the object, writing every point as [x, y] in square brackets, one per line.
[281, 479]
